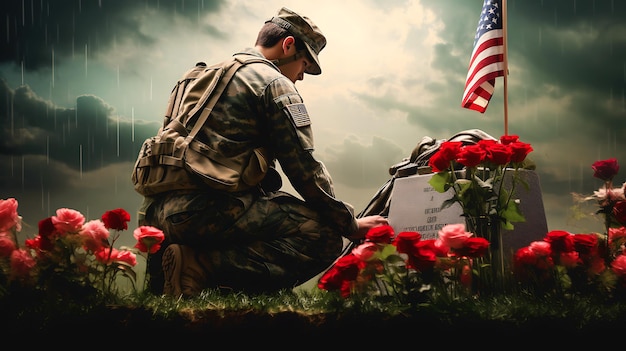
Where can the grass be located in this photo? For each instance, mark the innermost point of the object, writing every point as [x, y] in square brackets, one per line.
[309, 314]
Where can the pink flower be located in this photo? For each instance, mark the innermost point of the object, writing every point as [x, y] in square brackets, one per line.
[616, 234]
[365, 251]
[126, 256]
[109, 255]
[149, 239]
[619, 212]
[22, 263]
[116, 219]
[105, 255]
[454, 235]
[7, 245]
[68, 221]
[9, 217]
[617, 194]
[540, 248]
[619, 265]
[94, 235]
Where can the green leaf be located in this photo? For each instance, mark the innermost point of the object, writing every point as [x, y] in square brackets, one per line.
[512, 212]
[449, 202]
[440, 181]
[126, 269]
[506, 224]
[463, 185]
[387, 251]
[564, 278]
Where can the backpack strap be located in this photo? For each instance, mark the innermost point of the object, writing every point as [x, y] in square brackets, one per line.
[212, 93]
[178, 92]
[214, 89]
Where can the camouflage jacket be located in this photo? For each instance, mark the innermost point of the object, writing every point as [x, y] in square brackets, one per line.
[262, 108]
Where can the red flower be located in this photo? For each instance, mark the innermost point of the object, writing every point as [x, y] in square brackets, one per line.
[485, 144]
[619, 212]
[424, 255]
[525, 256]
[605, 169]
[116, 219]
[527, 265]
[438, 163]
[450, 149]
[344, 270]
[34, 243]
[519, 151]
[47, 232]
[509, 139]
[619, 266]
[405, 241]
[586, 244]
[447, 153]
[7, 246]
[381, 234]
[560, 241]
[498, 154]
[471, 155]
[473, 247]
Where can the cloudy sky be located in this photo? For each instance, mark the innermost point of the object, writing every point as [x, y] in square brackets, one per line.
[83, 83]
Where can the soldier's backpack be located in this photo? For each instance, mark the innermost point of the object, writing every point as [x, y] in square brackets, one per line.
[174, 159]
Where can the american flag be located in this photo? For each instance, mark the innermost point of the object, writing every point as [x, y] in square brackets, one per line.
[487, 60]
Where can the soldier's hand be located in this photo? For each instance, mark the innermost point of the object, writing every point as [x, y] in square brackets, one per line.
[366, 223]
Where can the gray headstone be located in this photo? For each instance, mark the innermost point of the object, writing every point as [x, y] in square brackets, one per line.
[416, 206]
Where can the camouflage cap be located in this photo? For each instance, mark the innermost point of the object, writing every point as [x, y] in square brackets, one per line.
[303, 28]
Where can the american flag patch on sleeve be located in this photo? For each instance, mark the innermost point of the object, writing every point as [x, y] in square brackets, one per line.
[298, 114]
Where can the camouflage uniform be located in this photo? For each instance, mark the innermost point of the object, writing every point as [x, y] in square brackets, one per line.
[262, 239]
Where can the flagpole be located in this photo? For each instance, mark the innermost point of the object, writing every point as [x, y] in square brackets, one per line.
[506, 68]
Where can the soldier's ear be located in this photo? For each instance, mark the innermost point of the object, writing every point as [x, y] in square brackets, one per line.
[288, 42]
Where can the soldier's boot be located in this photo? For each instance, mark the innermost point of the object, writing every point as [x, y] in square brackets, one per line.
[183, 273]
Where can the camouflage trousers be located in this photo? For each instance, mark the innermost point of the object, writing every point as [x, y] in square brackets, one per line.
[249, 242]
